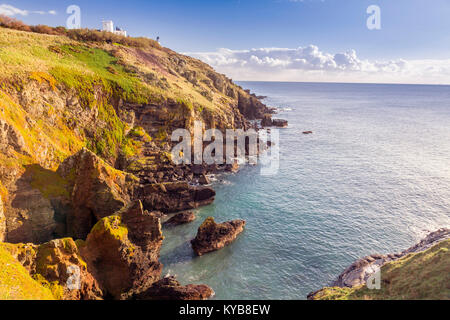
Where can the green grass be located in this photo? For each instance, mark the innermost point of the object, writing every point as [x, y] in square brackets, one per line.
[421, 276]
[16, 283]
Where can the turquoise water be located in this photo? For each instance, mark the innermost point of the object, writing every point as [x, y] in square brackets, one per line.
[374, 177]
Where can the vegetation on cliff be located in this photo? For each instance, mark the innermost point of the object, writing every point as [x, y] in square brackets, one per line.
[16, 282]
[417, 276]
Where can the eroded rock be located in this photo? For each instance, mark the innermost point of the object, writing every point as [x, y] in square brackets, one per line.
[176, 196]
[96, 191]
[212, 236]
[124, 250]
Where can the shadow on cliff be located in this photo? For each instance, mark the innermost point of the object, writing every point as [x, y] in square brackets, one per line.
[37, 211]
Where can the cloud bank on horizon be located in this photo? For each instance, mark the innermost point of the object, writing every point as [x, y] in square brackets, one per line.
[311, 64]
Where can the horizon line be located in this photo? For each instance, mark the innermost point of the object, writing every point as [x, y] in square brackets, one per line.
[333, 82]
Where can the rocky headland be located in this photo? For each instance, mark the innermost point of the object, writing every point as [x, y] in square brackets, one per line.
[85, 165]
[420, 272]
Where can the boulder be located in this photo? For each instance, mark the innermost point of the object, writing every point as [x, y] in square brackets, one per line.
[96, 190]
[59, 263]
[212, 236]
[123, 251]
[181, 218]
[280, 123]
[174, 197]
[170, 289]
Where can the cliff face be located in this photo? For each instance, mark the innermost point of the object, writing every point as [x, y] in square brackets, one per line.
[420, 272]
[84, 133]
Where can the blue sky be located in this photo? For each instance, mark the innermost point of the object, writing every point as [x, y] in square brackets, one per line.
[412, 30]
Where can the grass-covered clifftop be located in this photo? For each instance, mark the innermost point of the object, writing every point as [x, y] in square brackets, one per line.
[417, 276]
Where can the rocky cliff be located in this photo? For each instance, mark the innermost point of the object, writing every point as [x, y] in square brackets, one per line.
[85, 170]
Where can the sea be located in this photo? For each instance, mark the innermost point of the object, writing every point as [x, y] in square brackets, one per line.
[374, 177]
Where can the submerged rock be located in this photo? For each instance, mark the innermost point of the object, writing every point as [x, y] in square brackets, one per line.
[213, 236]
[181, 218]
[170, 289]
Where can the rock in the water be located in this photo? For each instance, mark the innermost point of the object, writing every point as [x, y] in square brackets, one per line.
[170, 289]
[307, 132]
[213, 236]
[97, 191]
[181, 218]
[280, 123]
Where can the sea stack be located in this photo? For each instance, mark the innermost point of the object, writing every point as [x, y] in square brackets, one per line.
[213, 236]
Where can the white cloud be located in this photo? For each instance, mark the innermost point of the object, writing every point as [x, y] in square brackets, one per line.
[311, 64]
[10, 11]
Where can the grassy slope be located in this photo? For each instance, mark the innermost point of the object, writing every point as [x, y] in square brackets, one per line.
[135, 75]
[16, 283]
[424, 275]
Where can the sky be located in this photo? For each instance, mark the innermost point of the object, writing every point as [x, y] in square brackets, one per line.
[280, 40]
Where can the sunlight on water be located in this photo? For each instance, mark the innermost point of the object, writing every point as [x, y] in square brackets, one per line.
[374, 177]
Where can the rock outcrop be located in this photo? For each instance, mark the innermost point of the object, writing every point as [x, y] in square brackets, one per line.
[267, 121]
[124, 250]
[213, 236]
[359, 271]
[181, 218]
[280, 123]
[96, 191]
[176, 196]
[58, 265]
[170, 289]
[351, 283]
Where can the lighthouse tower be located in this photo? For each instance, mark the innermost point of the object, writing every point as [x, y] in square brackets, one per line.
[108, 26]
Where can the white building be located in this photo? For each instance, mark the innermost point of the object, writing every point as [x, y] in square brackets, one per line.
[108, 26]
